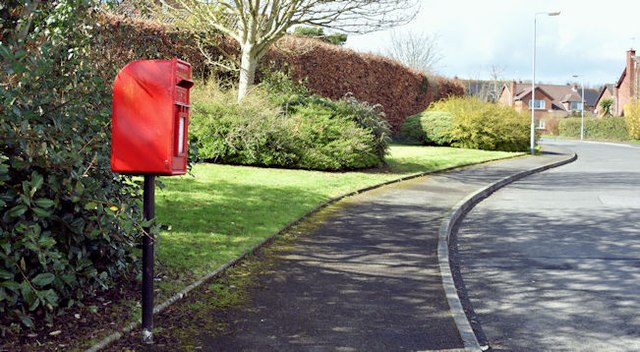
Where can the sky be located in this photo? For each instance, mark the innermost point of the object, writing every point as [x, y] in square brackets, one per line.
[589, 38]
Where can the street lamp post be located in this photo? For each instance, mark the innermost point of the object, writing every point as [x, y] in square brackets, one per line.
[533, 81]
[582, 109]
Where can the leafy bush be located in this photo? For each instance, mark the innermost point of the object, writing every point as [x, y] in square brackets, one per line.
[632, 116]
[474, 124]
[429, 128]
[290, 95]
[609, 128]
[331, 139]
[68, 226]
[287, 128]
[369, 117]
[253, 132]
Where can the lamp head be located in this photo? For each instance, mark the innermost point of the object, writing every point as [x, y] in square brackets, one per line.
[554, 13]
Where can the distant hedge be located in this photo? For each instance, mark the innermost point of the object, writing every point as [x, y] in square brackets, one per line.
[330, 71]
[333, 71]
[609, 128]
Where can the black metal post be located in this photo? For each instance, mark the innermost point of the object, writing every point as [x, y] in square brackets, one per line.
[147, 260]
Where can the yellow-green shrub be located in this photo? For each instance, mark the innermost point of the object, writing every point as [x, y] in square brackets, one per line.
[482, 125]
[632, 116]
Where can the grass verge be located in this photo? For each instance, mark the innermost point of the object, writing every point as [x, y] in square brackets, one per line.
[225, 210]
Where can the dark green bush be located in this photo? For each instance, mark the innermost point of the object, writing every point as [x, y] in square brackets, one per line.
[607, 128]
[368, 117]
[251, 133]
[331, 139]
[288, 128]
[290, 96]
[429, 128]
[68, 225]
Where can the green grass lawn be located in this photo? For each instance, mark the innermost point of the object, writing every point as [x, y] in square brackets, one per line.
[225, 210]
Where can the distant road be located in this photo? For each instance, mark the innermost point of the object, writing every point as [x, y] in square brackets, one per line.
[552, 263]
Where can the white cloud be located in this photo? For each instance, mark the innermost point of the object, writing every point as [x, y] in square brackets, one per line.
[588, 38]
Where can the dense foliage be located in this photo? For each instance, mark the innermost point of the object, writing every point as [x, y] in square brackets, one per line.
[609, 128]
[632, 116]
[280, 124]
[429, 128]
[470, 123]
[68, 223]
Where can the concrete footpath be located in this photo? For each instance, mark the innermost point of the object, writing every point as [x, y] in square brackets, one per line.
[367, 278]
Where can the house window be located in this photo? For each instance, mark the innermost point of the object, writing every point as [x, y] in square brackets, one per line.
[576, 106]
[537, 104]
[541, 125]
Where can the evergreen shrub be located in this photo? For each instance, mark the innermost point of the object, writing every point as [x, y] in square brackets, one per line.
[281, 125]
[68, 225]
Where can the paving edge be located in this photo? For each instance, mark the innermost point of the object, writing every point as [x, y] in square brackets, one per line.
[105, 342]
[456, 214]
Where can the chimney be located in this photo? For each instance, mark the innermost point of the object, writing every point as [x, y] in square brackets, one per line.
[631, 72]
[512, 91]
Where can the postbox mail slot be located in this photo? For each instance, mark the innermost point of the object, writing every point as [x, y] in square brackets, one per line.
[151, 117]
[185, 83]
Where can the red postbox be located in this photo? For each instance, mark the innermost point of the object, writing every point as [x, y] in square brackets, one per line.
[150, 117]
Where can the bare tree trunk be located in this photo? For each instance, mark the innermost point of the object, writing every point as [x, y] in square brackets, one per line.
[248, 65]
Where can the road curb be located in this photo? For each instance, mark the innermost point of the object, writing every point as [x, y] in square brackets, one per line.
[456, 214]
[106, 341]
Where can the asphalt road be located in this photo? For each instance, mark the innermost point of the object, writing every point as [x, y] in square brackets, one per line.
[552, 263]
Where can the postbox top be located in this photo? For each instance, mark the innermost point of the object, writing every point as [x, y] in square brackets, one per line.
[180, 71]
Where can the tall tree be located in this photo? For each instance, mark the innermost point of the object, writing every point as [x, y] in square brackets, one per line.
[256, 24]
[415, 49]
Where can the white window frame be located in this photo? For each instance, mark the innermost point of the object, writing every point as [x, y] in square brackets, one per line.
[541, 103]
[578, 106]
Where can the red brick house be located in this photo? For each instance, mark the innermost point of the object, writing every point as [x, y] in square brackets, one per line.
[550, 100]
[627, 85]
[625, 90]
